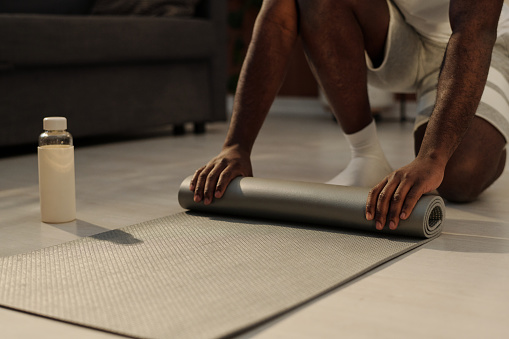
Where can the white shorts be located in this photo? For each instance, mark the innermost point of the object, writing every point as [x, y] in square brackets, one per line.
[412, 64]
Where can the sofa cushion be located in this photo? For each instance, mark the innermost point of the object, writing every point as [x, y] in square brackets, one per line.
[30, 40]
[46, 6]
[145, 7]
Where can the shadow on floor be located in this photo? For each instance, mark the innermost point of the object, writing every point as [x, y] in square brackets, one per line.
[83, 228]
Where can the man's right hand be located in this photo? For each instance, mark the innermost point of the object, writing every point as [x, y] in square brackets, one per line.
[212, 179]
[274, 37]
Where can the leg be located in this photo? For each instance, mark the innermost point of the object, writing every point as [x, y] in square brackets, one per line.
[335, 34]
[477, 162]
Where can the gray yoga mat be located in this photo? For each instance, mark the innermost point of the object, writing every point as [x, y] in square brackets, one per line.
[191, 275]
[317, 203]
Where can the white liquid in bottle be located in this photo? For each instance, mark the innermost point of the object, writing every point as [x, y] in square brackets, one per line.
[56, 172]
[56, 183]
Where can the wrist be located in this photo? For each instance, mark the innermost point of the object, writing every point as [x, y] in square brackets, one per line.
[238, 147]
[438, 159]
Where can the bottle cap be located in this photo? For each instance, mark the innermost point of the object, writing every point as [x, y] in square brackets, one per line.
[54, 124]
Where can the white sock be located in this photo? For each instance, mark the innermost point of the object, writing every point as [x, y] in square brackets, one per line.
[368, 165]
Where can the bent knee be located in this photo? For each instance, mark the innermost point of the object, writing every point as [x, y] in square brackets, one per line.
[460, 193]
[465, 178]
[462, 184]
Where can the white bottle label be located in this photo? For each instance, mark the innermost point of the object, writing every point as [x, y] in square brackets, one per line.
[56, 183]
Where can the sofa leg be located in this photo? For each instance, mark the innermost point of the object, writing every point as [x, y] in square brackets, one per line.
[199, 128]
[179, 129]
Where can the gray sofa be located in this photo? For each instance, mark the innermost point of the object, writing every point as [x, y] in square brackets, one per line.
[111, 74]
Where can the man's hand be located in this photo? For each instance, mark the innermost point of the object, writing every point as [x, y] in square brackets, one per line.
[395, 197]
[211, 180]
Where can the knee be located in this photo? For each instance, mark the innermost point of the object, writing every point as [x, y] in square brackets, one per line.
[460, 193]
[462, 183]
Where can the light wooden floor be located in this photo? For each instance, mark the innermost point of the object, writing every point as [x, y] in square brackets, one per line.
[456, 286]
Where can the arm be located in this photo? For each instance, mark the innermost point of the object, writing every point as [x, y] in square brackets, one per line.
[461, 83]
[263, 71]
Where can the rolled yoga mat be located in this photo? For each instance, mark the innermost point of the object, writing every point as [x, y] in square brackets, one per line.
[317, 203]
[202, 275]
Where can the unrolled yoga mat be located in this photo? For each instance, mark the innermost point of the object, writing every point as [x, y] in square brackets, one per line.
[191, 275]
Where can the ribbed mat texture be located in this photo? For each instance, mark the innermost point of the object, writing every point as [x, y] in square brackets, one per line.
[189, 275]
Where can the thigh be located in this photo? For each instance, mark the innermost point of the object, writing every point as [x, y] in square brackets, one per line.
[482, 145]
[477, 162]
[327, 20]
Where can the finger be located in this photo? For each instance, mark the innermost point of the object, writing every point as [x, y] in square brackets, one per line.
[211, 182]
[224, 180]
[396, 203]
[410, 201]
[194, 179]
[372, 198]
[200, 183]
[383, 202]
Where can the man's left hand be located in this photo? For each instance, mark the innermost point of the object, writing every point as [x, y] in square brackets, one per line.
[395, 197]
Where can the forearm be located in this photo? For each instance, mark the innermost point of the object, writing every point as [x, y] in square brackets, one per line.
[263, 72]
[463, 76]
[460, 87]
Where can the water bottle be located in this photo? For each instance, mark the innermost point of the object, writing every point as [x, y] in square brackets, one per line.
[56, 172]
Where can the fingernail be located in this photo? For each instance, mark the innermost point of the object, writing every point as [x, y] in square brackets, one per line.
[217, 194]
[369, 216]
[403, 215]
[392, 225]
[197, 198]
[191, 188]
[207, 201]
[379, 225]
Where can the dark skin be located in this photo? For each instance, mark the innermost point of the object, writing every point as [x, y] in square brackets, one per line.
[335, 34]
[460, 86]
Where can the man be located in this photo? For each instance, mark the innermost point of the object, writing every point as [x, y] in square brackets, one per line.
[449, 52]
